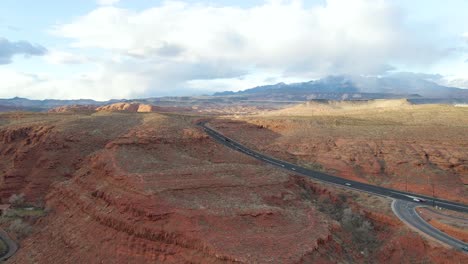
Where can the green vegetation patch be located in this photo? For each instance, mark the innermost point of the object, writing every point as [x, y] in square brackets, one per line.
[24, 212]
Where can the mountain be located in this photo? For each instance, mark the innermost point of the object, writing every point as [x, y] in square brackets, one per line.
[399, 85]
[419, 88]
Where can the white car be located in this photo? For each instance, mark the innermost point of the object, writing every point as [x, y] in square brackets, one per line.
[417, 200]
[348, 184]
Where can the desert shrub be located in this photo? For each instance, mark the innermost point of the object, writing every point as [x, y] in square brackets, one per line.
[325, 205]
[354, 224]
[19, 228]
[17, 199]
[9, 213]
[315, 166]
[361, 230]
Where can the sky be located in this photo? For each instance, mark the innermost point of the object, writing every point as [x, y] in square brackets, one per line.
[111, 49]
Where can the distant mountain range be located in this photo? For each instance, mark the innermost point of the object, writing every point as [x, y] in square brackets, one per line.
[403, 85]
[18, 103]
[414, 87]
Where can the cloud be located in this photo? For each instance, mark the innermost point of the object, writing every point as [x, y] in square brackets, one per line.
[280, 33]
[107, 2]
[459, 82]
[61, 57]
[178, 47]
[9, 49]
[100, 85]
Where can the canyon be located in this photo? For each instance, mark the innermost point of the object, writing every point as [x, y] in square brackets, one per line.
[129, 187]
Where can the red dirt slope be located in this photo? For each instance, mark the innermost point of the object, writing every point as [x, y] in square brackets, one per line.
[155, 189]
[422, 149]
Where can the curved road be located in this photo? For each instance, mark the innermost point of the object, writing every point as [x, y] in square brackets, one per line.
[403, 198]
[12, 247]
[406, 211]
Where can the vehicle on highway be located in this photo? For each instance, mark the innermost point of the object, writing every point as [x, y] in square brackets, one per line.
[404, 202]
[226, 139]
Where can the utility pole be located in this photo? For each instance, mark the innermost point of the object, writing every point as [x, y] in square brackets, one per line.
[406, 182]
[430, 180]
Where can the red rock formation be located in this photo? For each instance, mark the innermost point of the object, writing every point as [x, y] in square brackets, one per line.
[73, 109]
[154, 188]
[120, 107]
[140, 108]
[174, 213]
[24, 164]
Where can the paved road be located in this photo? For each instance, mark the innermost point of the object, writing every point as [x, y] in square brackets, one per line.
[363, 187]
[406, 211]
[11, 245]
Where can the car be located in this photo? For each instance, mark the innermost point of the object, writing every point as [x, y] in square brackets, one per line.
[465, 249]
[417, 200]
[293, 169]
[348, 184]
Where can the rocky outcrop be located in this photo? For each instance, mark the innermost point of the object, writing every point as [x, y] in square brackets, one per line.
[74, 109]
[164, 192]
[24, 165]
[155, 189]
[140, 108]
[120, 107]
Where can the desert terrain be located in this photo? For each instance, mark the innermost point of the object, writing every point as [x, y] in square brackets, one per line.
[121, 186]
[392, 143]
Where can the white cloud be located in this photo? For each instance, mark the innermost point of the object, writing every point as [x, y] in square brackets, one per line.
[460, 83]
[181, 47]
[62, 57]
[107, 2]
[100, 85]
[465, 36]
[285, 33]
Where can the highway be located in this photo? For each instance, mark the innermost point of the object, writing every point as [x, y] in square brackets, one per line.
[409, 198]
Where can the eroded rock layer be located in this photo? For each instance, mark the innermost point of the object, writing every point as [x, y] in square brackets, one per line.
[155, 189]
